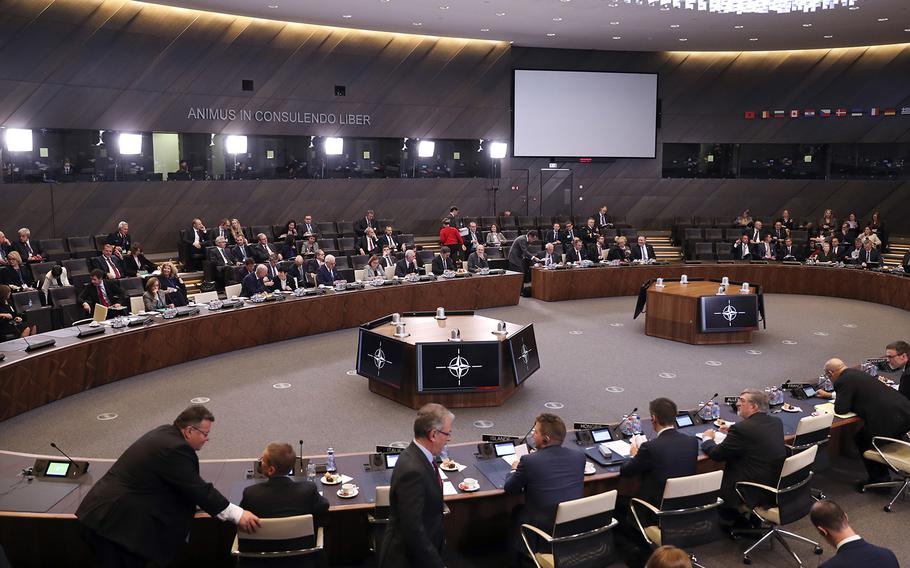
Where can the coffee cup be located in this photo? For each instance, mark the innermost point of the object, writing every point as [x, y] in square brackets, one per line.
[470, 483]
[348, 489]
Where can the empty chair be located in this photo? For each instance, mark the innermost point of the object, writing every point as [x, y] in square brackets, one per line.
[79, 281]
[732, 233]
[66, 305]
[526, 223]
[359, 261]
[407, 238]
[233, 290]
[383, 223]
[29, 304]
[76, 266]
[724, 252]
[132, 286]
[379, 519]
[54, 249]
[82, 247]
[425, 256]
[545, 222]
[137, 304]
[264, 229]
[346, 228]
[100, 241]
[813, 431]
[274, 536]
[896, 455]
[346, 244]
[582, 534]
[800, 236]
[792, 501]
[609, 235]
[494, 252]
[485, 222]
[687, 515]
[714, 234]
[510, 234]
[630, 233]
[692, 234]
[327, 244]
[342, 262]
[704, 251]
[327, 229]
[204, 297]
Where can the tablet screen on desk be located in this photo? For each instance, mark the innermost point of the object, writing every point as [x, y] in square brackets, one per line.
[683, 419]
[57, 469]
[391, 460]
[504, 449]
[601, 435]
[809, 391]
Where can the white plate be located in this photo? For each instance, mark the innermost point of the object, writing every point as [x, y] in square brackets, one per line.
[349, 495]
[720, 423]
[462, 487]
[454, 467]
[324, 482]
[791, 409]
[590, 470]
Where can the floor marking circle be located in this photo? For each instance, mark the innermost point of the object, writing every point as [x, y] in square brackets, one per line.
[106, 416]
[200, 400]
[483, 424]
[554, 405]
[281, 386]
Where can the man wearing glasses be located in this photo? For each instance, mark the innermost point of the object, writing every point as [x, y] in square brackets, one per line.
[141, 510]
[753, 451]
[414, 535]
[896, 354]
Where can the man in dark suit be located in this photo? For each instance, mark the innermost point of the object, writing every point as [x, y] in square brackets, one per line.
[897, 359]
[852, 550]
[283, 496]
[789, 251]
[473, 238]
[30, 250]
[838, 250]
[604, 221]
[884, 412]
[870, 255]
[756, 234]
[367, 222]
[443, 261]
[242, 251]
[121, 237]
[100, 291]
[414, 536]
[554, 235]
[220, 258]
[779, 232]
[197, 239]
[519, 255]
[570, 233]
[388, 239]
[386, 260]
[548, 256]
[327, 274]
[551, 475]
[299, 271]
[262, 250]
[314, 264]
[577, 253]
[308, 227]
[408, 265]
[255, 282]
[109, 263]
[742, 250]
[454, 218]
[905, 262]
[765, 250]
[478, 259]
[223, 230]
[643, 251]
[6, 247]
[753, 451]
[140, 510]
[669, 454]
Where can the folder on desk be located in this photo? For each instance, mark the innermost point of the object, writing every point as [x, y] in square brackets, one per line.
[828, 408]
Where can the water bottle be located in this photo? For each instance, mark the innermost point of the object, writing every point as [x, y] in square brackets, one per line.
[624, 426]
[636, 424]
[715, 411]
[444, 454]
[701, 409]
[330, 460]
[311, 472]
[29, 303]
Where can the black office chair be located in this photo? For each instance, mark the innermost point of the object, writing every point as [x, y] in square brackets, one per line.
[66, 305]
[132, 286]
[76, 266]
[379, 519]
[36, 314]
[896, 455]
[54, 249]
[82, 247]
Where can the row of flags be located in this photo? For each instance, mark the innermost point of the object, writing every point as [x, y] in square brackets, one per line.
[826, 113]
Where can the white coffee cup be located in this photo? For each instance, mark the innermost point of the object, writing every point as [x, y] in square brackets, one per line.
[725, 281]
[470, 483]
[683, 279]
[348, 489]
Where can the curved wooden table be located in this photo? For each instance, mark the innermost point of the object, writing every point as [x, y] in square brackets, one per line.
[73, 365]
[607, 281]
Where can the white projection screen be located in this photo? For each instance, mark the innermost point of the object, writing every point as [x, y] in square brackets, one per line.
[584, 114]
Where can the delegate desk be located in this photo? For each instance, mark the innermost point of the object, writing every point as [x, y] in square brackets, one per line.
[694, 313]
[608, 281]
[31, 379]
[52, 537]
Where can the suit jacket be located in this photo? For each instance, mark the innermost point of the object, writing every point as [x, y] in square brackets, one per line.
[795, 251]
[617, 253]
[414, 535]
[219, 262]
[122, 241]
[299, 272]
[303, 228]
[12, 277]
[839, 252]
[904, 384]
[217, 232]
[671, 454]
[261, 254]
[291, 283]
[755, 236]
[391, 242]
[884, 413]
[475, 263]
[326, 276]
[636, 251]
[552, 236]
[870, 256]
[114, 293]
[150, 302]
[239, 252]
[363, 245]
[100, 263]
[589, 234]
[739, 248]
[203, 238]
[905, 262]
[131, 268]
[147, 500]
[861, 553]
[780, 235]
[251, 285]
[440, 264]
[762, 248]
[402, 268]
[573, 255]
[547, 477]
[518, 253]
[753, 451]
[283, 496]
[471, 240]
[361, 225]
[22, 249]
[605, 220]
[387, 261]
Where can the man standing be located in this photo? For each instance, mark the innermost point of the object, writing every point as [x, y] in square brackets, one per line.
[141, 509]
[753, 451]
[414, 535]
[367, 222]
[451, 238]
[832, 523]
[884, 412]
[518, 253]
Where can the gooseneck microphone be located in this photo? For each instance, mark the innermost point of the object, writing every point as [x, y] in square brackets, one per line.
[624, 420]
[705, 404]
[78, 466]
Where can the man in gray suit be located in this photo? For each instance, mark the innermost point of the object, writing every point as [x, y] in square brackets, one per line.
[518, 253]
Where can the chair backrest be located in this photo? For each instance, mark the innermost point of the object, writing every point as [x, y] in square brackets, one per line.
[359, 261]
[296, 533]
[53, 245]
[100, 313]
[20, 300]
[794, 497]
[204, 297]
[812, 430]
[63, 296]
[233, 290]
[592, 518]
[425, 256]
[346, 228]
[704, 248]
[428, 267]
[75, 266]
[689, 510]
[40, 270]
[692, 233]
[326, 243]
[137, 304]
[326, 227]
[713, 234]
[346, 243]
[342, 261]
[389, 272]
[132, 286]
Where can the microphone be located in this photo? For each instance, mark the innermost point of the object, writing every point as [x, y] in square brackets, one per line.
[624, 420]
[705, 404]
[80, 467]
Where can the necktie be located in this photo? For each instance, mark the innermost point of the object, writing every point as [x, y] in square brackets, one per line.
[436, 471]
[547, 261]
[745, 251]
[392, 243]
[221, 252]
[370, 244]
[113, 268]
[644, 253]
[29, 247]
[102, 296]
[868, 256]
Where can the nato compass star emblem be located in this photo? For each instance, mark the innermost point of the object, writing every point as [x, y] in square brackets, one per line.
[459, 366]
[525, 354]
[729, 313]
[379, 359]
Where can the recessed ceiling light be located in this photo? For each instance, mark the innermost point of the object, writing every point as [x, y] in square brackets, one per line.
[614, 23]
[907, 29]
[853, 8]
[416, 23]
[565, 1]
[443, 7]
[617, 37]
[551, 34]
[346, 16]
[738, 27]
[753, 39]
[683, 39]
[484, 29]
[883, 19]
[828, 36]
[807, 25]
[557, 19]
[674, 26]
[500, 13]
[273, 6]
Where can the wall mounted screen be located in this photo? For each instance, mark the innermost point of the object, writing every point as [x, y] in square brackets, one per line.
[572, 114]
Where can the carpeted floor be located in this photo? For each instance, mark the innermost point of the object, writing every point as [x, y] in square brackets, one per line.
[585, 347]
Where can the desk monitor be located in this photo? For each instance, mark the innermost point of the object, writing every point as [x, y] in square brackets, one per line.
[683, 419]
[718, 314]
[390, 460]
[523, 349]
[809, 391]
[380, 358]
[601, 435]
[458, 366]
[57, 468]
[504, 449]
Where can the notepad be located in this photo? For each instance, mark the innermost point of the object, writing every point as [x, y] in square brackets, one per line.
[448, 488]
[719, 436]
[620, 447]
[828, 408]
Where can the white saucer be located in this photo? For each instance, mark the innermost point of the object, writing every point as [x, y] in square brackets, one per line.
[791, 409]
[590, 470]
[324, 482]
[462, 487]
[348, 496]
[453, 468]
[724, 423]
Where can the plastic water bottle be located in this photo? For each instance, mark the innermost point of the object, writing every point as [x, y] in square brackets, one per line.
[330, 460]
[715, 411]
[311, 471]
[636, 424]
[444, 454]
[29, 303]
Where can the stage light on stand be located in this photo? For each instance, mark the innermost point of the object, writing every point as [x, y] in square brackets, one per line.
[235, 144]
[426, 149]
[129, 144]
[333, 146]
[498, 150]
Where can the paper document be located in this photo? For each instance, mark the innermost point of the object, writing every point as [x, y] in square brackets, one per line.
[620, 447]
[828, 408]
[719, 437]
[448, 488]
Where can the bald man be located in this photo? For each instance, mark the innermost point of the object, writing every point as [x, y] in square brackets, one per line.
[883, 410]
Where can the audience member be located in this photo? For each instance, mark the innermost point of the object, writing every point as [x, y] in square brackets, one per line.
[789, 252]
[154, 298]
[315, 263]
[643, 251]
[756, 234]
[309, 246]
[472, 238]
[494, 237]
[599, 251]
[744, 219]
[767, 249]
[870, 255]
[242, 251]
[290, 230]
[5, 248]
[786, 221]
[884, 412]
[373, 270]
[590, 232]
[256, 282]
[56, 277]
[577, 253]
[12, 324]
[197, 239]
[236, 230]
[851, 221]
[288, 247]
[109, 263]
[221, 259]
[443, 261]
[121, 237]
[174, 287]
[570, 234]
[869, 236]
[136, 262]
[896, 359]
[386, 260]
[368, 244]
[825, 255]
[878, 227]
[367, 222]
[388, 239]
[554, 235]
[327, 275]
[450, 237]
[141, 508]
[668, 556]
[845, 234]
[604, 221]
[414, 536]
[408, 265]
[223, 230]
[262, 250]
[15, 274]
[29, 250]
[851, 549]
[752, 451]
[308, 226]
[101, 291]
[619, 251]
[478, 259]
[742, 250]
[779, 232]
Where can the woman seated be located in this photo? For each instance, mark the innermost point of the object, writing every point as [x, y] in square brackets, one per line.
[373, 269]
[825, 255]
[56, 277]
[173, 286]
[290, 230]
[620, 252]
[136, 262]
[868, 235]
[494, 237]
[12, 326]
[15, 274]
[154, 297]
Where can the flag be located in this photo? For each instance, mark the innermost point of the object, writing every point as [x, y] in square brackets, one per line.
[794, 114]
[905, 110]
[780, 114]
[873, 111]
[840, 113]
[857, 112]
[825, 112]
[809, 113]
[749, 115]
[890, 112]
[765, 114]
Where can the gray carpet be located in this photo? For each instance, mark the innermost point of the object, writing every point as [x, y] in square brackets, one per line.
[585, 347]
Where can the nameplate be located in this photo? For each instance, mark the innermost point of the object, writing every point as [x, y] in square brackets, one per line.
[589, 426]
[731, 400]
[388, 450]
[496, 438]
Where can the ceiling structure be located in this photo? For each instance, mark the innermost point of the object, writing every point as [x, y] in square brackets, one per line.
[593, 24]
